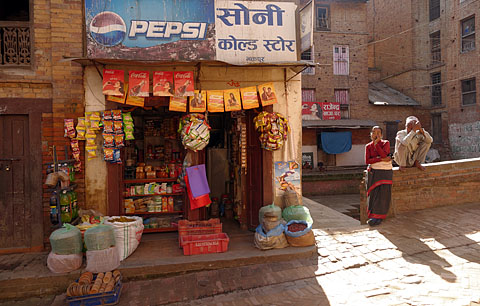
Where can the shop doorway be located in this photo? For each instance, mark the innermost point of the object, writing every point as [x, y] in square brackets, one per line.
[15, 186]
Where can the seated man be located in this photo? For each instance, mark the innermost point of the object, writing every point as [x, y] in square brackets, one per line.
[412, 144]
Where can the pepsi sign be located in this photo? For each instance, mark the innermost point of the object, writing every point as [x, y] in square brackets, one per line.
[108, 29]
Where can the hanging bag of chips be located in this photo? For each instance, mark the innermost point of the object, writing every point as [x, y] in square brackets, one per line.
[273, 129]
[194, 132]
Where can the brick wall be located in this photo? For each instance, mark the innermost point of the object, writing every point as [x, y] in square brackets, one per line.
[442, 184]
[57, 31]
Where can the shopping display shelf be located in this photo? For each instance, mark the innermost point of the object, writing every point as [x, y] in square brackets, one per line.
[152, 195]
[159, 230]
[155, 213]
[151, 180]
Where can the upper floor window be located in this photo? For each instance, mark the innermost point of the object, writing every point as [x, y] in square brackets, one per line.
[435, 51]
[308, 56]
[436, 88]
[434, 9]
[342, 97]
[468, 34]
[469, 92]
[15, 43]
[322, 20]
[437, 128]
[340, 60]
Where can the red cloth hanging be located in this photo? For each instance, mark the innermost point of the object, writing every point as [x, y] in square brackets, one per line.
[198, 202]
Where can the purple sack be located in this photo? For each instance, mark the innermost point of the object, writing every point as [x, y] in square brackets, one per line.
[197, 178]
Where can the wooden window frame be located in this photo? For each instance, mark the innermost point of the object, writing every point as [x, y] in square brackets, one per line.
[437, 129]
[470, 92]
[436, 90]
[341, 48]
[435, 48]
[434, 9]
[327, 21]
[470, 36]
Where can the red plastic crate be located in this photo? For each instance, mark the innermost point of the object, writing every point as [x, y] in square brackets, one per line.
[185, 227]
[204, 244]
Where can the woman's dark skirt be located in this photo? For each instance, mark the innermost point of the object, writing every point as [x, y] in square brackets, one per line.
[379, 193]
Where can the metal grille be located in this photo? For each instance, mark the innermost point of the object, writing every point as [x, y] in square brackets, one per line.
[341, 96]
[15, 46]
[436, 50]
[308, 95]
[436, 89]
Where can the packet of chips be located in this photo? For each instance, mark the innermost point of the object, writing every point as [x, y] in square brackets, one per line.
[128, 129]
[95, 121]
[127, 117]
[69, 128]
[107, 115]
[77, 166]
[117, 114]
[108, 154]
[108, 140]
[116, 156]
[108, 126]
[81, 128]
[91, 140]
[117, 127]
[119, 140]
[92, 152]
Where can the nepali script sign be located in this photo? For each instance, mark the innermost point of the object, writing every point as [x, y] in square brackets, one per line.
[237, 32]
[255, 32]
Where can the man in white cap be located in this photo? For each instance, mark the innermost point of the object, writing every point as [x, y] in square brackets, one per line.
[412, 144]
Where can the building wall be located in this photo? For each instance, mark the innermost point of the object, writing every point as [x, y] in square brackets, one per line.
[56, 31]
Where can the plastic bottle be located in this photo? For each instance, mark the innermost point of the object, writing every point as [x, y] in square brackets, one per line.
[65, 214]
[170, 204]
[54, 209]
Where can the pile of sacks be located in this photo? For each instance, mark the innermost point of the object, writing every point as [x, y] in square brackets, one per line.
[66, 255]
[279, 229]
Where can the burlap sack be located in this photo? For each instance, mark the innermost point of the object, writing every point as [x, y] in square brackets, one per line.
[306, 240]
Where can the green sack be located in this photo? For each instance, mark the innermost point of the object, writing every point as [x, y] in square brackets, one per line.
[99, 237]
[271, 209]
[297, 212]
[66, 240]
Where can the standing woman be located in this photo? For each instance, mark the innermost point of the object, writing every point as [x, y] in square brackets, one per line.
[379, 184]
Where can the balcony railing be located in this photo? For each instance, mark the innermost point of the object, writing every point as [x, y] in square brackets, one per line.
[15, 44]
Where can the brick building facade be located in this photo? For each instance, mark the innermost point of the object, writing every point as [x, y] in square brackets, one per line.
[429, 51]
[39, 90]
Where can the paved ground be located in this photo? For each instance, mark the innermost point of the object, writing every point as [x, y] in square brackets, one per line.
[348, 204]
[429, 257]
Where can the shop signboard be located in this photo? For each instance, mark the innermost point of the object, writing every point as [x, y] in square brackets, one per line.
[249, 97]
[287, 177]
[331, 111]
[237, 32]
[163, 83]
[306, 27]
[311, 111]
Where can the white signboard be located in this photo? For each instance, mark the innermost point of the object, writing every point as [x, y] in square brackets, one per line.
[255, 32]
[306, 27]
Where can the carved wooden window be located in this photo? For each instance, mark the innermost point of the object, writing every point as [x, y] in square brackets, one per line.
[15, 34]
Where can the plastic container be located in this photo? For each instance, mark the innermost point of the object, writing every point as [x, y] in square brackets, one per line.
[204, 244]
[106, 298]
[185, 227]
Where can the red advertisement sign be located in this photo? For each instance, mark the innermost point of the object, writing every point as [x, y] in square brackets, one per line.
[331, 111]
[184, 83]
[320, 111]
[163, 83]
[113, 82]
[138, 83]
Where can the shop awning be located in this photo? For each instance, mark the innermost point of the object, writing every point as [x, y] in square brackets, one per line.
[380, 93]
[342, 124]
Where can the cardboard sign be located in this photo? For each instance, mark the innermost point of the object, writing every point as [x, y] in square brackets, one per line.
[215, 101]
[249, 97]
[113, 82]
[232, 100]
[163, 83]
[138, 83]
[135, 101]
[267, 94]
[178, 104]
[198, 102]
[331, 111]
[184, 83]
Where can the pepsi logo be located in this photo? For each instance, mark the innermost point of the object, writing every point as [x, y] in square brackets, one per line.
[108, 29]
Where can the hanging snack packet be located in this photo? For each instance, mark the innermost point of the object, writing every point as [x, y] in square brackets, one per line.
[81, 128]
[76, 155]
[118, 127]
[116, 156]
[119, 140]
[108, 126]
[69, 128]
[108, 140]
[91, 140]
[87, 119]
[74, 145]
[95, 121]
[108, 154]
[117, 114]
[128, 129]
[77, 166]
[92, 152]
[127, 117]
[107, 115]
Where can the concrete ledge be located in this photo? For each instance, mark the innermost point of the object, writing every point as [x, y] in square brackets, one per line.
[441, 184]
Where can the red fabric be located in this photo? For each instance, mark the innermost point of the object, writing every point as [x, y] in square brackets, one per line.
[378, 183]
[197, 202]
[375, 153]
[376, 216]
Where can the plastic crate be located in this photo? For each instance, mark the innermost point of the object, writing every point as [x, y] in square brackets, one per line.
[204, 244]
[185, 227]
[105, 298]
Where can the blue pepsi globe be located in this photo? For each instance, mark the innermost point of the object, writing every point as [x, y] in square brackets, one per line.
[108, 29]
